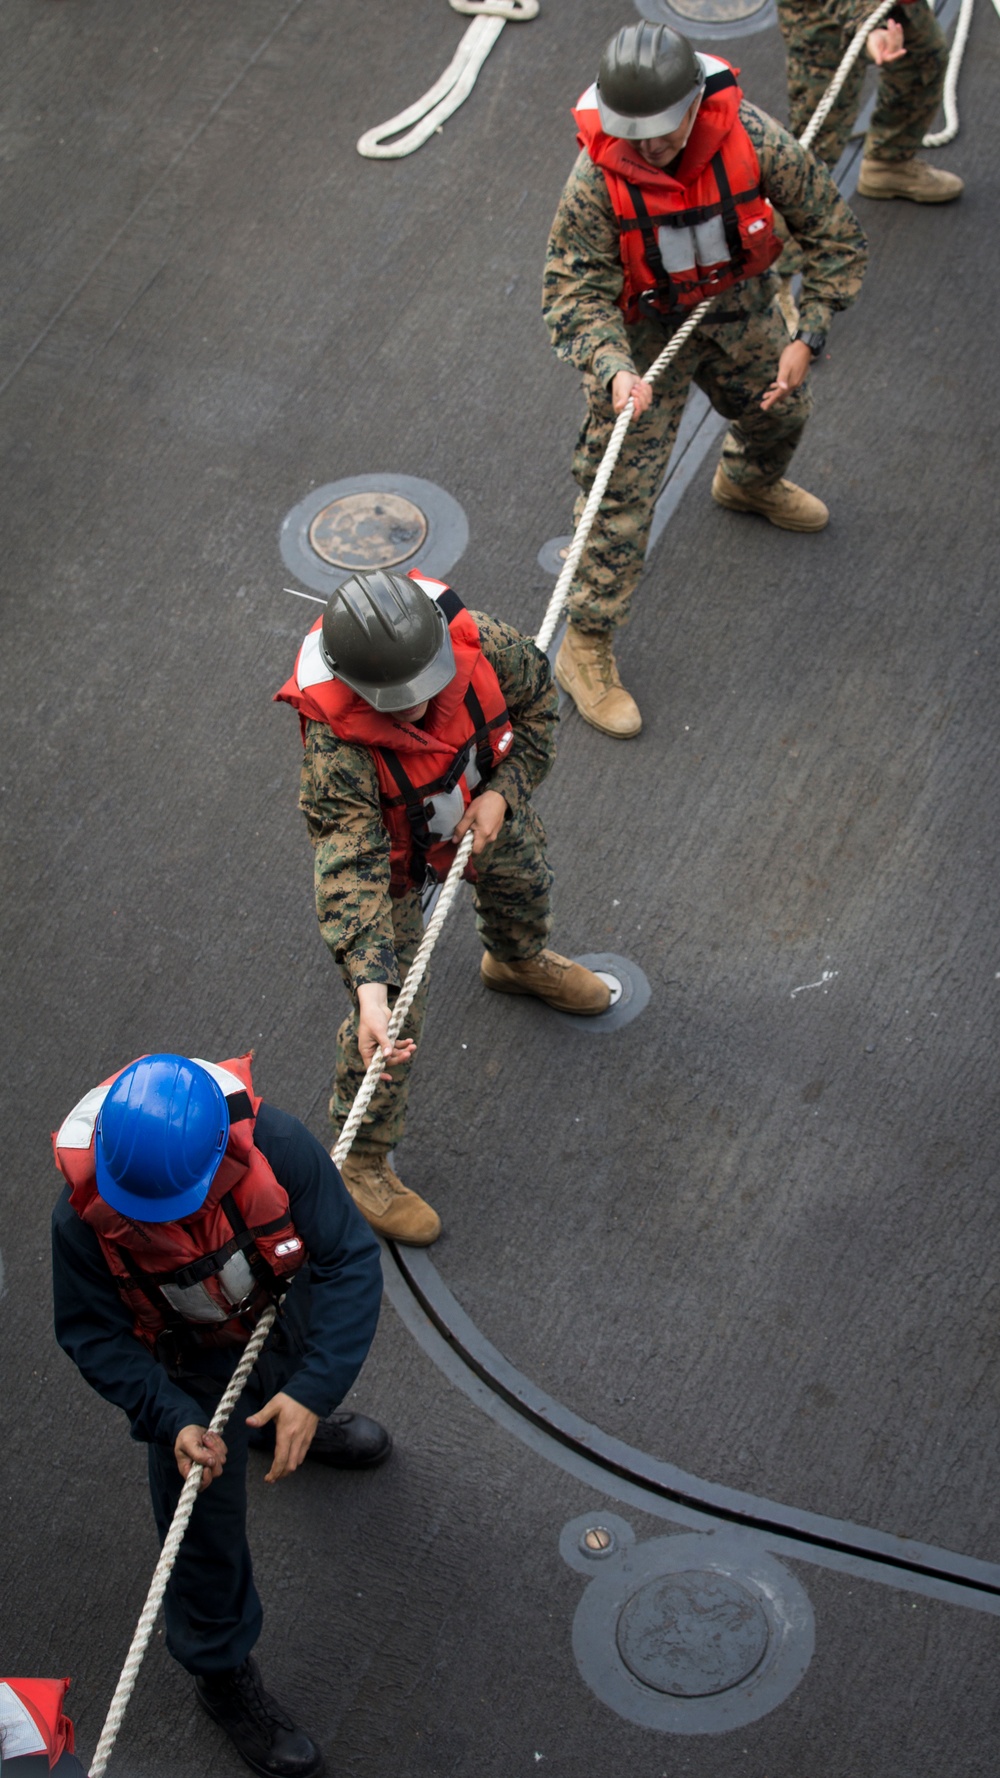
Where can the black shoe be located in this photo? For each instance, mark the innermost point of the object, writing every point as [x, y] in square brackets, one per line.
[262, 1733]
[350, 1441]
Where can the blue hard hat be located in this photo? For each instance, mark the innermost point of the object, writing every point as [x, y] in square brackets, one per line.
[161, 1134]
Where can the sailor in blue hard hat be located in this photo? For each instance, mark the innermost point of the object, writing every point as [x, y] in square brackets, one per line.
[191, 1205]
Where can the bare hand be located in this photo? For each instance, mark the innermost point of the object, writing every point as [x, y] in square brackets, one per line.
[793, 368]
[373, 1028]
[627, 387]
[294, 1428]
[194, 1444]
[886, 44]
[485, 815]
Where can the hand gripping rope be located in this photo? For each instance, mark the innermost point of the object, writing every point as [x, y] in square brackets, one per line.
[456, 83]
[418, 967]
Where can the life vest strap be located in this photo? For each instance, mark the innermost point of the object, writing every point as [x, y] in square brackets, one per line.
[730, 220]
[239, 1106]
[421, 834]
[684, 218]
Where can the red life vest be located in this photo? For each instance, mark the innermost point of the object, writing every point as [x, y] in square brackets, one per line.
[691, 233]
[32, 1714]
[427, 774]
[209, 1277]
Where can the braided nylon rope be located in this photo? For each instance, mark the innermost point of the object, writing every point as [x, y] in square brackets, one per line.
[421, 119]
[418, 967]
[168, 1554]
[950, 101]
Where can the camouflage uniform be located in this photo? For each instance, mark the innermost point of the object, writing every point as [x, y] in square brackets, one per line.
[733, 356]
[374, 936]
[817, 33]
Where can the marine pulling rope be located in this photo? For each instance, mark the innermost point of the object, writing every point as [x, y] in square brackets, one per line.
[422, 119]
[418, 968]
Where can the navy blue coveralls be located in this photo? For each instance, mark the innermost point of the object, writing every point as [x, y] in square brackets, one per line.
[314, 1353]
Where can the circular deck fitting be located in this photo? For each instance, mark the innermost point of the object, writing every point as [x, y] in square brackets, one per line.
[693, 1634]
[578, 1538]
[704, 19]
[629, 994]
[372, 521]
[552, 555]
[368, 531]
[597, 1541]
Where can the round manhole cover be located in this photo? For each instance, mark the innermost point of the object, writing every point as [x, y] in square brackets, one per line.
[368, 531]
[713, 12]
[692, 1634]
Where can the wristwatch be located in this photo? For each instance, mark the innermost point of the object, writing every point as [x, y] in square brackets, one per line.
[815, 341]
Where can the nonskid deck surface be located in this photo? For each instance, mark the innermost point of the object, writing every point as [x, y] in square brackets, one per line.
[749, 1236]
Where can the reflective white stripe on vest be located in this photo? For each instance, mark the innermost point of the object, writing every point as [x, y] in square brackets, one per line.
[691, 249]
[311, 668]
[77, 1129]
[18, 1729]
[433, 588]
[230, 1083]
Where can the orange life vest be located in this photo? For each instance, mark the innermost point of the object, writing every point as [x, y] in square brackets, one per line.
[32, 1712]
[427, 774]
[209, 1277]
[699, 229]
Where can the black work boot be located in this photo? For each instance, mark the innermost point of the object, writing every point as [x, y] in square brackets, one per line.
[350, 1441]
[260, 1730]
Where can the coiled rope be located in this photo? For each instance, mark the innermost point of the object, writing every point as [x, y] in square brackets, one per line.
[449, 890]
[420, 120]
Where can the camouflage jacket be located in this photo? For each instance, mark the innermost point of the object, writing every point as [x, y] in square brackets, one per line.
[339, 798]
[583, 271]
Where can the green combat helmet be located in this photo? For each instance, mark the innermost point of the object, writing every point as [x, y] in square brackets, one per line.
[649, 75]
[388, 640]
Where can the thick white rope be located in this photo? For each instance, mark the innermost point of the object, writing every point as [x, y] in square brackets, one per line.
[422, 119]
[168, 1554]
[938, 138]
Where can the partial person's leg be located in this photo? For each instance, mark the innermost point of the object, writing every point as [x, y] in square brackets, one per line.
[600, 595]
[909, 91]
[738, 365]
[513, 919]
[212, 1609]
[909, 94]
[385, 1120]
[816, 38]
[385, 1202]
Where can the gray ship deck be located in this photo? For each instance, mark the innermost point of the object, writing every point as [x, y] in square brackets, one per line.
[728, 1272]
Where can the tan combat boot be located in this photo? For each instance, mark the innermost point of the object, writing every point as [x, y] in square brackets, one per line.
[561, 983]
[385, 1201]
[912, 179]
[787, 506]
[587, 669]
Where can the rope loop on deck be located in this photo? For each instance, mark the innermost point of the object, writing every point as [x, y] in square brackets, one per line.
[411, 128]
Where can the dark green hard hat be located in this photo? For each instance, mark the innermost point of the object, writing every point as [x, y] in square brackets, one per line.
[388, 640]
[649, 76]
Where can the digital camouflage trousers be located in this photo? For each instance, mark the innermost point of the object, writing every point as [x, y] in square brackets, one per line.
[817, 33]
[512, 896]
[733, 358]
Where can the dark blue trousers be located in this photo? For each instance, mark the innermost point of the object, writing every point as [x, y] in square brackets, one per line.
[212, 1609]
